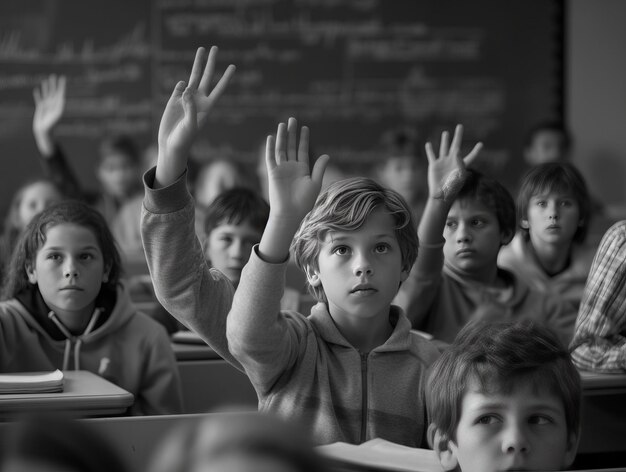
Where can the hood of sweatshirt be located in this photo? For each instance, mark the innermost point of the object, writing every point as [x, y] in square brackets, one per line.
[399, 339]
[513, 294]
[114, 309]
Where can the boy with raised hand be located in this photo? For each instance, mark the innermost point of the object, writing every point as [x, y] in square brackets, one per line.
[352, 370]
[467, 219]
[184, 283]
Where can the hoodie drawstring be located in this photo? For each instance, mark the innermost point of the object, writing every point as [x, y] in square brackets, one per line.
[78, 340]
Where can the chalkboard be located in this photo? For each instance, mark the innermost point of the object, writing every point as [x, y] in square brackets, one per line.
[350, 69]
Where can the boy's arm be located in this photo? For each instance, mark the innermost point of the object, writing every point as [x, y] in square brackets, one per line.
[600, 334]
[446, 175]
[263, 340]
[184, 284]
[49, 106]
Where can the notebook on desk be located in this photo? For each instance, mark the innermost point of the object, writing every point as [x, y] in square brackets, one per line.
[84, 394]
[31, 382]
[379, 454]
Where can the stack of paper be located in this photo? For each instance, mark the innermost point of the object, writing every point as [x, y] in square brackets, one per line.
[379, 454]
[31, 382]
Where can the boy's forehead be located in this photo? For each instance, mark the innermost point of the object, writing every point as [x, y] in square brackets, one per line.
[470, 205]
[496, 392]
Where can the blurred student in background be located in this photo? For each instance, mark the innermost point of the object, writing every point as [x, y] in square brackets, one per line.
[118, 170]
[403, 168]
[28, 201]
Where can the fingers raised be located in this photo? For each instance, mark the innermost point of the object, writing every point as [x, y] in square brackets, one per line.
[196, 69]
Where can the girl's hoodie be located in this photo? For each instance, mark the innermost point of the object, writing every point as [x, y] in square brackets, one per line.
[120, 344]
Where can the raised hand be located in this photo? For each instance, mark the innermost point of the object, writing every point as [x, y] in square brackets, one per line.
[49, 105]
[447, 173]
[292, 187]
[185, 113]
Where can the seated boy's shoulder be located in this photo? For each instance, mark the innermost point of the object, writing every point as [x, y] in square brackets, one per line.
[424, 346]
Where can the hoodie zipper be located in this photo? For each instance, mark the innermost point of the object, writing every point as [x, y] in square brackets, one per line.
[363, 397]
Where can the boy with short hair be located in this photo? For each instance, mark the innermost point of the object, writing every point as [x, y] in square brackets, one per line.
[504, 396]
[351, 371]
[458, 273]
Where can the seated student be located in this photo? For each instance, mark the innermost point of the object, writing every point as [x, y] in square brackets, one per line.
[547, 142]
[351, 371]
[599, 342]
[233, 224]
[504, 396]
[32, 197]
[118, 169]
[403, 169]
[241, 442]
[467, 218]
[548, 251]
[64, 309]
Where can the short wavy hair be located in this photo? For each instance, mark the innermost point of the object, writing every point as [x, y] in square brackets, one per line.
[345, 206]
[499, 357]
[555, 177]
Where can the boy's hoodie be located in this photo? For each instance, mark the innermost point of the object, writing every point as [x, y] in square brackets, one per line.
[120, 344]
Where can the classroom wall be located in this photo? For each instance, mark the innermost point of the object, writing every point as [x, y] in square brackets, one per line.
[596, 95]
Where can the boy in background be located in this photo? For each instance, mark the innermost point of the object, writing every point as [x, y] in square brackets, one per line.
[504, 396]
[548, 252]
[458, 273]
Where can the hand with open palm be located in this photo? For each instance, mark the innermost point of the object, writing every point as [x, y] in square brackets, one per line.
[185, 113]
[49, 106]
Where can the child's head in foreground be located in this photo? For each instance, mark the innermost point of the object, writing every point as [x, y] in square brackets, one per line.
[553, 204]
[480, 221]
[504, 396]
[233, 224]
[356, 245]
[56, 444]
[68, 245]
[236, 442]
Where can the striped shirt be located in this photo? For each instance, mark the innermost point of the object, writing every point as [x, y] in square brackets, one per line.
[599, 341]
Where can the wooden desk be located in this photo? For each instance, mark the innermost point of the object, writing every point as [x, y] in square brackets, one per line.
[603, 415]
[209, 382]
[84, 394]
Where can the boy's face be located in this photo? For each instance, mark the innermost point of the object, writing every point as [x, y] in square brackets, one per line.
[228, 248]
[552, 218]
[118, 174]
[523, 430]
[361, 270]
[473, 239]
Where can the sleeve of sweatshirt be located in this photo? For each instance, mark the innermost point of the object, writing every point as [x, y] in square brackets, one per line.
[160, 392]
[266, 341]
[194, 293]
[419, 291]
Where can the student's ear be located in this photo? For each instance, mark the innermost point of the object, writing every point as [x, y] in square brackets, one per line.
[313, 276]
[31, 274]
[105, 274]
[524, 224]
[572, 449]
[444, 448]
[405, 273]
[506, 237]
